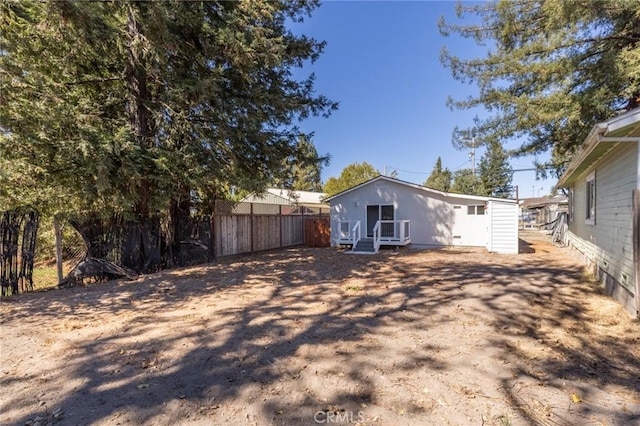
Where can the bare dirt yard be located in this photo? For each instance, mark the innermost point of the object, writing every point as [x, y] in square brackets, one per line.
[317, 336]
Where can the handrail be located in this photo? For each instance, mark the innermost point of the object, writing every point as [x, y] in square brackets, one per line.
[376, 236]
[401, 232]
[356, 234]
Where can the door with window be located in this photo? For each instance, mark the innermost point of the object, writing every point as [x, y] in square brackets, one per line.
[470, 225]
[380, 212]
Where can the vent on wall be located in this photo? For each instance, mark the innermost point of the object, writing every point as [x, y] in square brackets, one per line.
[457, 207]
[457, 236]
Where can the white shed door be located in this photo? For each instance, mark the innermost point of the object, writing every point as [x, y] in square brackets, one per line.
[469, 225]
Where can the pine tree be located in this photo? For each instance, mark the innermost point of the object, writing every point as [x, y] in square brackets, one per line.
[439, 179]
[302, 170]
[136, 106]
[496, 173]
[556, 68]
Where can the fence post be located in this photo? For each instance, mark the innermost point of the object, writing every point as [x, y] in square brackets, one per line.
[57, 235]
[251, 224]
[212, 232]
[281, 230]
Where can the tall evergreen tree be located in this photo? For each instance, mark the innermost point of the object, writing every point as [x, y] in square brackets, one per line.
[302, 170]
[352, 175]
[439, 178]
[496, 173]
[554, 69]
[138, 106]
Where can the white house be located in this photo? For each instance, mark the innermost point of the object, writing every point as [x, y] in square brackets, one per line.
[386, 211]
[602, 179]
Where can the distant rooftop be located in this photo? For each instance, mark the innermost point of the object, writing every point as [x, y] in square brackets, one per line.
[526, 203]
[299, 197]
[287, 197]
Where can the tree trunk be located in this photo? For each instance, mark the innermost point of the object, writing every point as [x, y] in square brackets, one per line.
[139, 98]
[141, 121]
[179, 214]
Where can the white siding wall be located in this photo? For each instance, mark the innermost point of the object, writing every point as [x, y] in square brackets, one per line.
[430, 216]
[607, 245]
[434, 221]
[503, 227]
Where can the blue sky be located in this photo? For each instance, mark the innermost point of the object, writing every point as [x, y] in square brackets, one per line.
[382, 65]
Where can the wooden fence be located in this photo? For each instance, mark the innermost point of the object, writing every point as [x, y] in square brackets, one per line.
[251, 227]
[230, 229]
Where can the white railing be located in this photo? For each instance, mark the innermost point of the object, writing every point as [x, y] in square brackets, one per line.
[344, 229]
[394, 230]
[355, 234]
[376, 237]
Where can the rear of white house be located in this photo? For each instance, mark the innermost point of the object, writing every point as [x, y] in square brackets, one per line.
[386, 211]
[602, 180]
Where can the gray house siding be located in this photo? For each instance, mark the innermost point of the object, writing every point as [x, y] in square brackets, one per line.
[607, 245]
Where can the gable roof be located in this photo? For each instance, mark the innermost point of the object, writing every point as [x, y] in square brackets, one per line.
[417, 187]
[602, 139]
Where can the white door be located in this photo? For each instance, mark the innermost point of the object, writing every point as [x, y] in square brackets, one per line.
[469, 225]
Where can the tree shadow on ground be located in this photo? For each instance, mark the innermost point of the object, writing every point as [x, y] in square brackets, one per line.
[283, 336]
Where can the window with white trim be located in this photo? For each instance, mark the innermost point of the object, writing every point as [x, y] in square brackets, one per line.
[591, 199]
[475, 210]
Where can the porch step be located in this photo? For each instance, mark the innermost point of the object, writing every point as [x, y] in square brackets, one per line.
[365, 245]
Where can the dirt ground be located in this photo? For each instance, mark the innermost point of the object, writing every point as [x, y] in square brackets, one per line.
[318, 336]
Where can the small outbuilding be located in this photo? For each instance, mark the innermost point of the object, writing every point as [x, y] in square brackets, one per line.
[386, 211]
[541, 211]
[603, 180]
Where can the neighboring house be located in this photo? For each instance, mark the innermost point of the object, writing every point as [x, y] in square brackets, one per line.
[542, 210]
[387, 211]
[602, 180]
[297, 202]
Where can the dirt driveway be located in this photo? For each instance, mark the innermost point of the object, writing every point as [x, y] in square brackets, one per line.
[317, 336]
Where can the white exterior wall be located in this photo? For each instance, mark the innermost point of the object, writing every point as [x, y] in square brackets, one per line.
[503, 227]
[466, 229]
[434, 220]
[607, 245]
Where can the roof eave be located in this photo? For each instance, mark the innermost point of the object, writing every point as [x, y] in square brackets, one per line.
[420, 187]
[588, 146]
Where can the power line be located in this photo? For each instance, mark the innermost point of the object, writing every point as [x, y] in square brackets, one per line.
[408, 171]
[425, 173]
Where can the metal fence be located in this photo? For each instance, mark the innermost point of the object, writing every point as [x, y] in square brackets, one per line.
[18, 230]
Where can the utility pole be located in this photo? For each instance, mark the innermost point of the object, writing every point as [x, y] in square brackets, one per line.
[472, 155]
